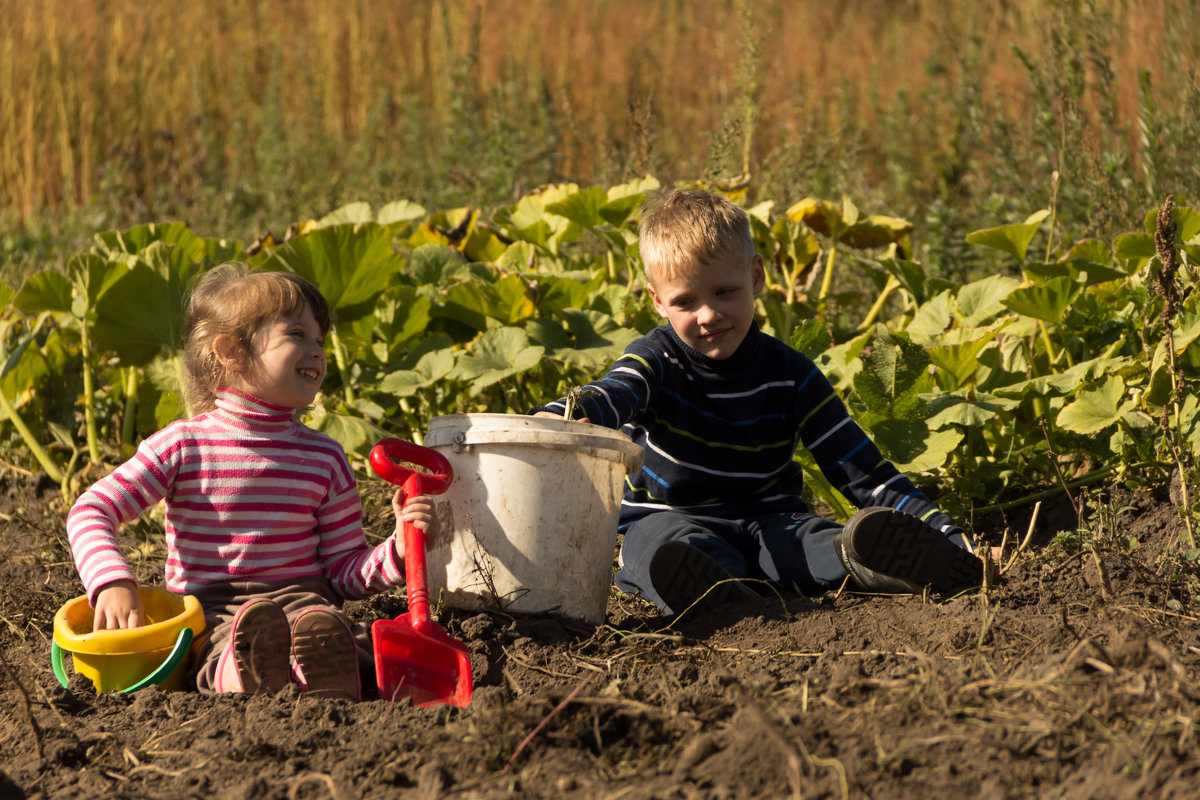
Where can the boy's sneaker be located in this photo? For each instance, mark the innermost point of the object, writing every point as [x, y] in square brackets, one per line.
[684, 575]
[892, 552]
[324, 655]
[255, 660]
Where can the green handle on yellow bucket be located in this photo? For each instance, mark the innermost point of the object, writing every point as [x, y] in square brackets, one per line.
[173, 660]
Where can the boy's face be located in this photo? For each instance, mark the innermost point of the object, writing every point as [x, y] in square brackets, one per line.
[712, 307]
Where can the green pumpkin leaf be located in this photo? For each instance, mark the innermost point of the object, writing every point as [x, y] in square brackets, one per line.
[141, 313]
[514, 300]
[875, 231]
[1187, 223]
[45, 291]
[433, 264]
[811, 338]
[596, 339]
[1065, 383]
[351, 214]
[1012, 239]
[983, 299]
[912, 446]
[138, 238]
[957, 351]
[970, 411]
[1047, 302]
[1093, 410]
[892, 376]
[350, 264]
[555, 293]
[431, 368]
[582, 207]
[910, 274]
[353, 433]
[399, 211]
[1088, 273]
[498, 354]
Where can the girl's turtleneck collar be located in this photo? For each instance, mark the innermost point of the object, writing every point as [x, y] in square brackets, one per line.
[248, 411]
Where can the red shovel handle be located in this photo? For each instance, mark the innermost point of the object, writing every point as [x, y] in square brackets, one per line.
[385, 454]
[414, 483]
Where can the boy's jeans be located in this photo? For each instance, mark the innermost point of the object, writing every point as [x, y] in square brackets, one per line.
[794, 551]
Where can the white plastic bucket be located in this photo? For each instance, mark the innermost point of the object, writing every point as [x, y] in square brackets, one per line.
[529, 523]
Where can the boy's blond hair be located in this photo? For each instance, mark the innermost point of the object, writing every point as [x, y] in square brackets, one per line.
[682, 230]
[231, 300]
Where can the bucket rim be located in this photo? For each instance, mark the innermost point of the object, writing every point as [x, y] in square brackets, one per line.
[155, 636]
[518, 429]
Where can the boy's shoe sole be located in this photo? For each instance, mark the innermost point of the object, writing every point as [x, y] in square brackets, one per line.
[259, 645]
[890, 551]
[324, 655]
[687, 578]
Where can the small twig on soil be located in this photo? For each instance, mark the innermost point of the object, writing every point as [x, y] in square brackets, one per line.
[33, 723]
[308, 777]
[535, 667]
[1037, 507]
[562, 704]
[1105, 584]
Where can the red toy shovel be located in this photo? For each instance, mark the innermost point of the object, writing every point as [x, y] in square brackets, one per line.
[413, 656]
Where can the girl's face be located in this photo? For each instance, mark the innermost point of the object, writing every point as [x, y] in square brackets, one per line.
[288, 363]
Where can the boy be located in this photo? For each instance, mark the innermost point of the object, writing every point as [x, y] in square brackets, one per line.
[719, 407]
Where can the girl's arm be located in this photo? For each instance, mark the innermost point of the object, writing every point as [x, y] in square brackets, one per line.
[92, 523]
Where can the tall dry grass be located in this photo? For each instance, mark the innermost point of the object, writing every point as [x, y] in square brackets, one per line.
[152, 100]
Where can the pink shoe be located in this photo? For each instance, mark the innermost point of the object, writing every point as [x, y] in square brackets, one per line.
[255, 660]
[324, 655]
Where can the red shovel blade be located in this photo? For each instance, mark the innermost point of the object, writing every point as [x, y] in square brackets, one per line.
[429, 667]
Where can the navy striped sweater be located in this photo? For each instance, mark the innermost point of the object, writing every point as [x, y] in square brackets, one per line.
[719, 435]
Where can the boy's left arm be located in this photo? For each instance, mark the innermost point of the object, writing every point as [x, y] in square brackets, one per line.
[854, 465]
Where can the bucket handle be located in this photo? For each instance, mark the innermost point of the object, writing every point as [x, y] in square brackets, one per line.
[173, 660]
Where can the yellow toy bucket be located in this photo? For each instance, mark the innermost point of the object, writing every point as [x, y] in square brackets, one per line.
[128, 660]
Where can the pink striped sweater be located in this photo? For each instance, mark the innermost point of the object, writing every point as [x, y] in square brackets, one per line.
[251, 495]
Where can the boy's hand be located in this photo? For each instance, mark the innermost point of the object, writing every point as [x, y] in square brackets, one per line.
[418, 510]
[118, 605]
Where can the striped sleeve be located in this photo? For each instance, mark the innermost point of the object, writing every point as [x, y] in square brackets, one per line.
[92, 523]
[619, 396]
[354, 568]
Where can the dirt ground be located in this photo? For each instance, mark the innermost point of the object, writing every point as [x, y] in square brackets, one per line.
[1073, 676]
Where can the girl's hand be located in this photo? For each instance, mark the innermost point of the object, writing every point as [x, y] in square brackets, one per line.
[118, 605]
[418, 510]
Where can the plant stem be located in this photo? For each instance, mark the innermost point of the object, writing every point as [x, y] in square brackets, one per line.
[34, 446]
[339, 358]
[891, 286]
[89, 400]
[827, 278]
[129, 420]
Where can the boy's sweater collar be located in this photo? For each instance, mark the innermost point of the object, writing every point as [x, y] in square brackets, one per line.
[249, 412]
[745, 353]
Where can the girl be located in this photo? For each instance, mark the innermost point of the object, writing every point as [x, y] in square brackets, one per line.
[263, 516]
